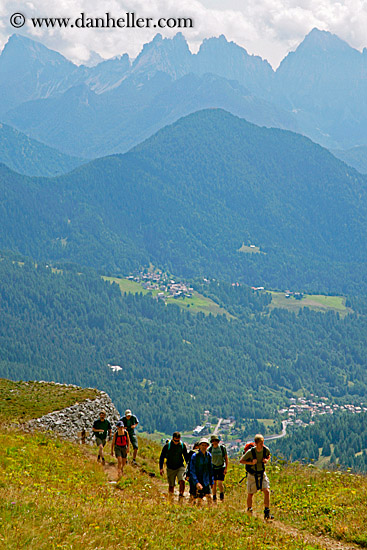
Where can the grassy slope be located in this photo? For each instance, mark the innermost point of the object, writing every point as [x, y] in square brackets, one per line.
[53, 495]
[21, 401]
[313, 301]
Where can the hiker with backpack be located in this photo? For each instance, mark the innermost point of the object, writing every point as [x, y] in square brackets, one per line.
[130, 422]
[220, 465]
[201, 470]
[175, 453]
[100, 429]
[120, 446]
[255, 457]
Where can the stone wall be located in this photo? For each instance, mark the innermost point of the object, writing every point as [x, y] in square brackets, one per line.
[69, 423]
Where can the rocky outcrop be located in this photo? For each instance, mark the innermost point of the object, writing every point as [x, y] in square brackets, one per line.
[69, 422]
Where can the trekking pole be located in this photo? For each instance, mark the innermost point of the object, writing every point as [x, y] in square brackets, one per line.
[240, 481]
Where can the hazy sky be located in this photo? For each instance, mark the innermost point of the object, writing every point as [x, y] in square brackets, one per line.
[269, 28]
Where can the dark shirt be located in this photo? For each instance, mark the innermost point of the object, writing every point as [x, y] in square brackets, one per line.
[130, 422]
[102, 425]
[175, 453]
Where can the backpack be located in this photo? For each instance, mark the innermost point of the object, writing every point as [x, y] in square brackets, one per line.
[123, 440]
[222, 448]
[250, 470]
[169, 445]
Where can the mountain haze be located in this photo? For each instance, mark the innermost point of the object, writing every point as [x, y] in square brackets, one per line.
[319, 90]
[29, 157]
[85, 123]
[187, 198]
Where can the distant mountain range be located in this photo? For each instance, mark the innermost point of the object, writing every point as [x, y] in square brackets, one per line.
[190, 196]
[319, 90]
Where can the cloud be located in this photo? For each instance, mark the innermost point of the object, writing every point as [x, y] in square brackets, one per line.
[269, 28]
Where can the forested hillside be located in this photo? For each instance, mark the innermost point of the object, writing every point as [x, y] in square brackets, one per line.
[28, 156]
[189, 197]
[338, 439]
[68, 327]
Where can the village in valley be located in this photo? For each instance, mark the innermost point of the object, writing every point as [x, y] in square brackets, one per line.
[161, 282]
[301, 412]
[316, 406]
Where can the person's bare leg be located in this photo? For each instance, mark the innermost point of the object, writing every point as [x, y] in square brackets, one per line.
[266, 498]
[119, 466]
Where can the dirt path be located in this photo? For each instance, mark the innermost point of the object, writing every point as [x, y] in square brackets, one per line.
[321, 541]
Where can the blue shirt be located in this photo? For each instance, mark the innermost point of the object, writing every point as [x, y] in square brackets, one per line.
[201, 469]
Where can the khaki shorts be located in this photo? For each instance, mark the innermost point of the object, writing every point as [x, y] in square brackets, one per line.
[251, 483]
[172, 474]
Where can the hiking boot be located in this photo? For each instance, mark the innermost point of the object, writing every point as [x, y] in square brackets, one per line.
[134, 462]
[214, 497]
[221, 496]
[103, 461]
[267, 514]
[249, 510]
[98, 458]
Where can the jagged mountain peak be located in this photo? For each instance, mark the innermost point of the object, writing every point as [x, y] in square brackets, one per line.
[170, 55]
[27, 49]
[323, 39]
[317, 43]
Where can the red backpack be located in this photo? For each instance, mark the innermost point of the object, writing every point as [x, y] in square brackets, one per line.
[248, 446]
[121, 440]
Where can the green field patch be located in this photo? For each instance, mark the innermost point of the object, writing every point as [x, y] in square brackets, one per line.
[195, 304]
[316, 302]
[128, 286]
[251, 249]
[199, 303]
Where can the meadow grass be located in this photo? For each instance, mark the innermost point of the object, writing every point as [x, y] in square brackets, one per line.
[53, 494]
[22, 401]
[331, 504]
[315, 302]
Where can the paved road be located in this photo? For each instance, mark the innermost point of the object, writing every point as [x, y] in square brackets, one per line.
[278, 436]
[217, 426]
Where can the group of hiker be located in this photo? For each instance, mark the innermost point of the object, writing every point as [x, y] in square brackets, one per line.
[122, 438]
[204, 466]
